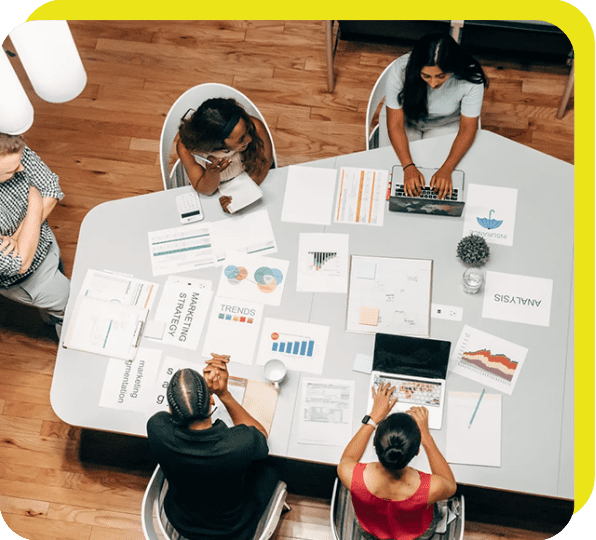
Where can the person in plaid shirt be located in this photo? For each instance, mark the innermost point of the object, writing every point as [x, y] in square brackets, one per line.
[29, 254]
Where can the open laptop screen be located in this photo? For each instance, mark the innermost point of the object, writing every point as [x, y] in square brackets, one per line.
[420, 357]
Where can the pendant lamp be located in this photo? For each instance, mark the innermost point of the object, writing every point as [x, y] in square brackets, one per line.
[50, 58]
[16, 111]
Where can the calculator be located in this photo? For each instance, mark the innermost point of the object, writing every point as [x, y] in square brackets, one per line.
[189, 207]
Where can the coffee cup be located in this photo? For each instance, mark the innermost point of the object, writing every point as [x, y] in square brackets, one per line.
[275, 371]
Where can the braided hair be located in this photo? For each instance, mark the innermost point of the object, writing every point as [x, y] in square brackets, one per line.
[211, 124]
[397, 441]
[188, 397]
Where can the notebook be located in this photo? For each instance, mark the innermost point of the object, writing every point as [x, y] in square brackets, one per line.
[417, 367]
[427, 202]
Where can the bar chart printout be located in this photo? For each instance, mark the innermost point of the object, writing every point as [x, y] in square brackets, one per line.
[323, 263]
[488, 359]
[300, 346]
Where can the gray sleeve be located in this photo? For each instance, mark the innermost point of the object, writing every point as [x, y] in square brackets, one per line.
[395, 81]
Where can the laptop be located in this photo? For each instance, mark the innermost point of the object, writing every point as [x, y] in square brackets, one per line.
[427, 202]
[417, 367]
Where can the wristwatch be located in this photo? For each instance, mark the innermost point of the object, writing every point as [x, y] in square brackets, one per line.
[368, 420]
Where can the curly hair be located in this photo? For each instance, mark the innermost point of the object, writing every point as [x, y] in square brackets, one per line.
[11, 144]
[188, 397]
[212, 123]
[435, 50]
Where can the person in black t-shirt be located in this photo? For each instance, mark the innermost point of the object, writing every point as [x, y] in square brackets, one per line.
[219, 483]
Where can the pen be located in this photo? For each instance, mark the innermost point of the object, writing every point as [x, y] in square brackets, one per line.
[202, 158]
[476, 409]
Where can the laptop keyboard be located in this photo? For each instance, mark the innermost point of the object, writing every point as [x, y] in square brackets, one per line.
[427, 193]
[415, 393]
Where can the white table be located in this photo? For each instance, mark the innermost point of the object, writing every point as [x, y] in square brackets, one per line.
[537, 431]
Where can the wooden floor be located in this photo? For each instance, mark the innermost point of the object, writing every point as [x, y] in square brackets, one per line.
[104, 146]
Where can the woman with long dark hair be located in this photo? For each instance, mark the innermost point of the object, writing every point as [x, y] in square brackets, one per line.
[219, 141]
[390, 499]
[434, 90]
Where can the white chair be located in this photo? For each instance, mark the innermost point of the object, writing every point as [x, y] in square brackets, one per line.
[377, 136]
[344, 523]
[155, 495]
[191, 99]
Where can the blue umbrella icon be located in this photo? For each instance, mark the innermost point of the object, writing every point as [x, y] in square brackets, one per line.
[489, 223]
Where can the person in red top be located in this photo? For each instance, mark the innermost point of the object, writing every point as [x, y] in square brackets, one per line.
[390, 499]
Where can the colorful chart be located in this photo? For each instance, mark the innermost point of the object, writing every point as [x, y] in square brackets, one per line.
[498, 365]
[266, 279]
[295, 345]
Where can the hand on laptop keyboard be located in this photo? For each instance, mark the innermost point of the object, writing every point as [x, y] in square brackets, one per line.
[413, 181]
[441, 183]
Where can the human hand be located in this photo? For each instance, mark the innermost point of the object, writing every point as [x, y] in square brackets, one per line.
[217, 165]
[420, 415]
[382, 401]
[441, 182]
[413, 181]
[216, 375]
[225, 201]
[9, 246]
[219, 361]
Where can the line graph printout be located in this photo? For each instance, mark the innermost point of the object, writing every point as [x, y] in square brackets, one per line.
[300, 346]
[322, 263]
[488, 359]
[361, 196]
[180, 249]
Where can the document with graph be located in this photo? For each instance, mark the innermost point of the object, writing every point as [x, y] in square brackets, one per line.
[323, 263]
[361, 196]
[488, 359]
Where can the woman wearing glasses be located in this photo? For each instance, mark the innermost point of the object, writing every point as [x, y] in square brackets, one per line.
[218, 142]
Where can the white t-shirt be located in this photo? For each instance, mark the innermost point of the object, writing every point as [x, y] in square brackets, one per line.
[453, 98]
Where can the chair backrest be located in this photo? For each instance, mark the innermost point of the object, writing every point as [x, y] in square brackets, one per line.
[376, 96]
[344, 523]
[155, 495]
[191, 99]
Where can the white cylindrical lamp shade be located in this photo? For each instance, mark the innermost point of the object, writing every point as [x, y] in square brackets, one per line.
[16, 111]
[50, 58]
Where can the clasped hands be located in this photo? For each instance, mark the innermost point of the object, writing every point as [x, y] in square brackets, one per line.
[216, 373]
[440, 182]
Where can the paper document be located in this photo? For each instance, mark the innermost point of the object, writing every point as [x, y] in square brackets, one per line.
[300, 346]
[234, 327]
[106, 328]
[255, 279]
[490, 213]
[479, 443]
[361, 196]
[389, 295]
[323, 262]
[520, 299]
[119, 288]
[128, 384]
[243, 191]
[326, 408]
[181, 249]
[487, 359]
[183, 308]
[309, 195]
[250, 234]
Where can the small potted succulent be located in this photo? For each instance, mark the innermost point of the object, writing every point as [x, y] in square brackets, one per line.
[473, 251]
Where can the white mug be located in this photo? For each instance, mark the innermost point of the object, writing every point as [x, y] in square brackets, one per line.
[275, 371]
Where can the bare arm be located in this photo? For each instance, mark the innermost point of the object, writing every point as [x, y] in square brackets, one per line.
[413, 178]
[443, 483]
[29, 229]
[267, 151]
[382, 405]
[205, 179]
[216, 375]
[441, 180]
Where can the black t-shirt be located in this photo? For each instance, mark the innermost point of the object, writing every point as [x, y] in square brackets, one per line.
[206, 471]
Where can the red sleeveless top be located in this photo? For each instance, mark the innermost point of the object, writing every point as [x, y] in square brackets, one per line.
[384, 518]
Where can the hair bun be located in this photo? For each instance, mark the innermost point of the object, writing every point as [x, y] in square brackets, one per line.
[393, 455]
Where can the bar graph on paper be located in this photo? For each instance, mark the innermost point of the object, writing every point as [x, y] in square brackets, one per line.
[321, 258]
[292, 345]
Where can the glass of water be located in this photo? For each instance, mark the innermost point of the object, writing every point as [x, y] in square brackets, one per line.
[473, 280]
